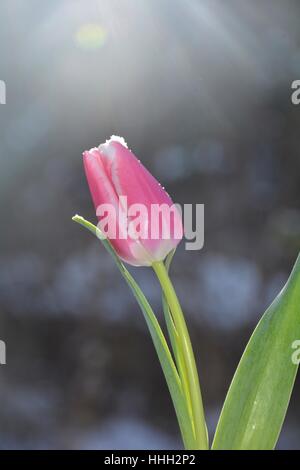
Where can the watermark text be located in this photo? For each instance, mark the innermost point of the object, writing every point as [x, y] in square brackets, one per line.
[2, 353]
[2, 92]
[296, 354]
[295, 96]
[152, 222]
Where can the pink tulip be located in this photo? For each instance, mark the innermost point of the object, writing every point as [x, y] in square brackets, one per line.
[115, 175]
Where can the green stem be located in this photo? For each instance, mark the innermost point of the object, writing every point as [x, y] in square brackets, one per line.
[179, 359]
[200, 429]
[177, 351]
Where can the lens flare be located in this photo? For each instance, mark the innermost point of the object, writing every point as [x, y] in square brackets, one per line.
[90, 36]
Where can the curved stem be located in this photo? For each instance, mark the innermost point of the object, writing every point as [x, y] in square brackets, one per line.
[200, 429]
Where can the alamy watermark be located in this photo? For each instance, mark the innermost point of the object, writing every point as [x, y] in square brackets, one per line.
[155, 222]
[2, 92]
[296, 354]
[295, 96]
[2, 353]
[2, 343]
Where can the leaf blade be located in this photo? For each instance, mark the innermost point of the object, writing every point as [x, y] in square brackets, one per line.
[258, 397]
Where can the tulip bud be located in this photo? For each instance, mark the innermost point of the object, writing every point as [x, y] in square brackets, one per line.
[134, 211]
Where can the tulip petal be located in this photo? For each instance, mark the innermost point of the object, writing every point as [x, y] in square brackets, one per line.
[103, 191]
[131, 179]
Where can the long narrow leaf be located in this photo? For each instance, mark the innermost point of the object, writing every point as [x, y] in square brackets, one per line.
[259, 395]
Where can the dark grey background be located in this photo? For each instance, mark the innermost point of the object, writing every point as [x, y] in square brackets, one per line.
[201, 92]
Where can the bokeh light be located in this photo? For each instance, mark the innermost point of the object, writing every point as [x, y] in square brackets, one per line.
[90, 36]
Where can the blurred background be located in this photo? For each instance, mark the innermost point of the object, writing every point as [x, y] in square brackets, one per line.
[201, 91]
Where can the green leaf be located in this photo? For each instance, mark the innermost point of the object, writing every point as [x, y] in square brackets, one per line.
[159, 341]
[260, 391]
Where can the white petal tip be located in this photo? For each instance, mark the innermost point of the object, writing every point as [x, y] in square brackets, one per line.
[113, 138]
[117, 138]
